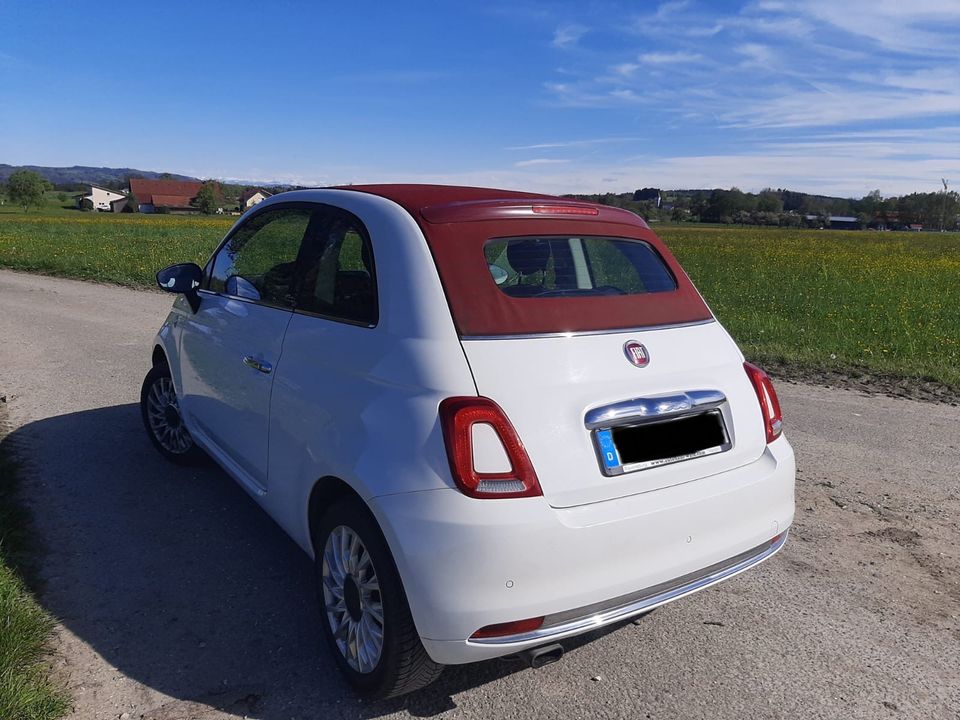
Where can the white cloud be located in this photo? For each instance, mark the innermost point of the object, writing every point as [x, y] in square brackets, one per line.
[574, 143]
[669, 58]
[756, 54]
[877, 61]
[669, 9]
[624, 69]
[567, 36]
[540, 161]
[839, 106]
[625, 95]
[707, 31]
[924, 27]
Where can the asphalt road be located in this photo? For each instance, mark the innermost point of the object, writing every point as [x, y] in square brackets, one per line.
[178, 598]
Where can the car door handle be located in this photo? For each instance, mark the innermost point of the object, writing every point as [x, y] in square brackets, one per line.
[252, 362]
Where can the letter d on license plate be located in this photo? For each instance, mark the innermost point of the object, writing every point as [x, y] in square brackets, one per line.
[608, 451]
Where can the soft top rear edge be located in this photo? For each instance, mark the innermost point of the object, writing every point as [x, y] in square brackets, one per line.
[446, 204]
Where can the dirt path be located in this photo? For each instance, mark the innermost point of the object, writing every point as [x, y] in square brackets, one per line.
[178, 598]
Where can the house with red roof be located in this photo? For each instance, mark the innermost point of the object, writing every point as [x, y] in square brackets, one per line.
[174, 196]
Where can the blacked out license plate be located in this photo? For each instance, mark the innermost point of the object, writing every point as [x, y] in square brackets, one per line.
[662, 442]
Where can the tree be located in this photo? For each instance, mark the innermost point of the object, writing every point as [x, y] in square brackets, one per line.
[769, 201]
[210, 198]
[133, 203]
[25, 188]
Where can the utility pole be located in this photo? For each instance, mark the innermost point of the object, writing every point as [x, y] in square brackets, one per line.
[943, 205]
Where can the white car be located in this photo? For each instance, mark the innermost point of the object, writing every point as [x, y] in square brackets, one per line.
[495, 419]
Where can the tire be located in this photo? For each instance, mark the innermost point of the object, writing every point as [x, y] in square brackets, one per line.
[350, 549]
[160, 411]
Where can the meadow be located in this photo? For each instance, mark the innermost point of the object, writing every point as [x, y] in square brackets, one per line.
[885, 303]
[836, 300]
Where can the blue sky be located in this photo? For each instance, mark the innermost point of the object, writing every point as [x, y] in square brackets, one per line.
[830, 96]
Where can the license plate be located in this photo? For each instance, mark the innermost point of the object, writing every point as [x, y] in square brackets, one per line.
[663, 442]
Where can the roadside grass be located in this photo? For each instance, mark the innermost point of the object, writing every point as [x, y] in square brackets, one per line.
[26, 691]
[884, 303]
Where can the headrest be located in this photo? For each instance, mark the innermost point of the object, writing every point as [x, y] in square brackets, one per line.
[528, 256]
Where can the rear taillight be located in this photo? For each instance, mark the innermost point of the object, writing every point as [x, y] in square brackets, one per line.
[458, 415]
[508, 628]
[769, 404]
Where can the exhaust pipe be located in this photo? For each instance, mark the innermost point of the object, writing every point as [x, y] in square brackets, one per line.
[538, 657]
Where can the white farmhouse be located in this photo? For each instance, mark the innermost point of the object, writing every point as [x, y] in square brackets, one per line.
[100, 198]
[252, 196]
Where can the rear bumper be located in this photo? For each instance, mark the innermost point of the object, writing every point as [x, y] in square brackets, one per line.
[561, 625]
[469, 563]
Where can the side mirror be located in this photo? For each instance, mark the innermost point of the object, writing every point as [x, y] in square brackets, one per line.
[241, 287]
[183, 279]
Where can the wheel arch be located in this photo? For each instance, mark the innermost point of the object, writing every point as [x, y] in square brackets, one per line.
[159, 355]
[325, 492]
[331, 489]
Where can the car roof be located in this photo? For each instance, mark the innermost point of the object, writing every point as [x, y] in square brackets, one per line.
[414, 198]
[452, 203]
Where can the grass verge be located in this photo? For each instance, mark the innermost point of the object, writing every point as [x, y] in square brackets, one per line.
[26, 690]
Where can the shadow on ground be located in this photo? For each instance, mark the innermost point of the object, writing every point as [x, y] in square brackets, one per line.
[183, 584]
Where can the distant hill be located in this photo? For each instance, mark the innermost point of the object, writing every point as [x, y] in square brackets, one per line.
[84, 175]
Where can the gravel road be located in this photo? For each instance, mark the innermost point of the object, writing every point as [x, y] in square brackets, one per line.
[178, 598]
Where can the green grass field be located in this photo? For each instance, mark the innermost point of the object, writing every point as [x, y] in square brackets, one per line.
[26, 692]
[885, 302]
[55, 202]
[121, 248]
[881, 302]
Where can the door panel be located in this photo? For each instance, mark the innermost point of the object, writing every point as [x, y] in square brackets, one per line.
[226, 397]
[230, 348]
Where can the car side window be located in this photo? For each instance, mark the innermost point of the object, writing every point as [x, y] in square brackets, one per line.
[339, 277]
[259, 259]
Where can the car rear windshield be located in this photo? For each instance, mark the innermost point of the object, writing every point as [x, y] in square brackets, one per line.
[556, 267]
[519, 276]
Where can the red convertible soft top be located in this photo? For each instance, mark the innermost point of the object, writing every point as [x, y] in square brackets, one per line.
[458, 221]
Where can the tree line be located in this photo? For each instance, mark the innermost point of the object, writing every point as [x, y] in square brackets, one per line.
[787, 208]
[780, 207]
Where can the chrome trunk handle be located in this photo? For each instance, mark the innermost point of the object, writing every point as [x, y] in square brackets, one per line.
[252, 362]
[652, 408]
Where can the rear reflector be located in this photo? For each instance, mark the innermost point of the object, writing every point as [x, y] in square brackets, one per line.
[564, 210]
[769, 403]
[508, 628]
[458, 415]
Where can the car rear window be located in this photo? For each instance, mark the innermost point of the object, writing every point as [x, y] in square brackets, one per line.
[564, 266]
[626, 279]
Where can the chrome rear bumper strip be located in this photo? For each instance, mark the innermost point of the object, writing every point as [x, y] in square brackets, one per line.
[582, 619]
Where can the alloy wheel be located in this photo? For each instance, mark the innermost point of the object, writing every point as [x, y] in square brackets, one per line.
[163, 414]
[352, 599]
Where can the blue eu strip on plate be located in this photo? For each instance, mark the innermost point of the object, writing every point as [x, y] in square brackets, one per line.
[611, 458]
